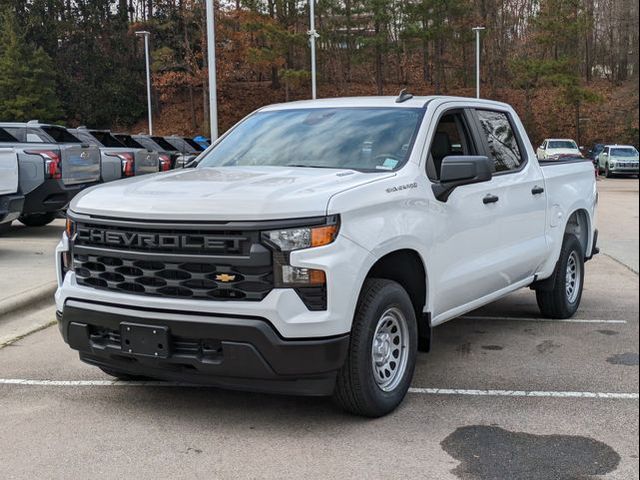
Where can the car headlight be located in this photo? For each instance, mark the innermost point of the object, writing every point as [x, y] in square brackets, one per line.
[309, 283]
[612, 163]
[290, 239]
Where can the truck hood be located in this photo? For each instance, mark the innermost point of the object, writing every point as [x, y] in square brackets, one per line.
[222, 194]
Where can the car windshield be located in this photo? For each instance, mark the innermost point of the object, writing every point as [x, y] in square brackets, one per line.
[624, 152]
[149, 144]
[562, 144]
[106, 139]
[366, 139]
[86, 137]
[128, 141]
[59, 134]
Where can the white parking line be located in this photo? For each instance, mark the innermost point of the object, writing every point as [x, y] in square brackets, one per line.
[524, 393]
[534, 319]
[415, 390]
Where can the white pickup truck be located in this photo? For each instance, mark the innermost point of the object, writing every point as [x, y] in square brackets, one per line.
[316, 244]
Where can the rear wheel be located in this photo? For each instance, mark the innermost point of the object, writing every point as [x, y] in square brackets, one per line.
[382, 352]
[563, 299]
[37, 219]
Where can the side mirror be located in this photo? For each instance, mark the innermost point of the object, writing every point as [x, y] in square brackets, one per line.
[191, 164]
[457, 171]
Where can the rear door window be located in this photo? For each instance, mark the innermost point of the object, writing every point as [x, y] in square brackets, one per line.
[502, 143]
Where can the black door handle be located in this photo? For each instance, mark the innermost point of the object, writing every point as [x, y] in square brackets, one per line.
[490, 199]
[537, 190]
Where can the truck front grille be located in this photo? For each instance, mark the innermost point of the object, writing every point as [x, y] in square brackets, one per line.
[203, 281]
[186, 261]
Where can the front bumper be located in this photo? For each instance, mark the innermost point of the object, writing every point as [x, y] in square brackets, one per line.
[624, 170]
[51, 196]
[10, 207]
[244, 353]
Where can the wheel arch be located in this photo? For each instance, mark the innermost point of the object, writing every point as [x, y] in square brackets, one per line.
[579, 224]
[407, 267]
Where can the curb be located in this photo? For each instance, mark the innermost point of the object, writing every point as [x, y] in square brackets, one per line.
[27, 299]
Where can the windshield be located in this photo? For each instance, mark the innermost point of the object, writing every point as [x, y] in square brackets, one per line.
[179, 144]
[624, 152]
[86, 137]
[60, 135]
[194, 145]
[128, 141]
[147, 143]
[366, 139]
[562, 144]
[106, 139]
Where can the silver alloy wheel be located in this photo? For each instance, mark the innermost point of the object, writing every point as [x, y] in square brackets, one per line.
[573, 277]
[390, 349]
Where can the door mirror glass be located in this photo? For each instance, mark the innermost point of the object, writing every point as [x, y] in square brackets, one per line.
[462, 170]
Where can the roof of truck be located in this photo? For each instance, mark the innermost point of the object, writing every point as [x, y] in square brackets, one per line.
[375, 102]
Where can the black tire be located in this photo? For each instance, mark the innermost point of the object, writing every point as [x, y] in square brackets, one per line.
[123, 376]
[356, 388]
[607, 172]
[557, 302]
[37, 219]
[5, 227]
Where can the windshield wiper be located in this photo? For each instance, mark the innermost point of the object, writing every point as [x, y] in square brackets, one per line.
[299, 165]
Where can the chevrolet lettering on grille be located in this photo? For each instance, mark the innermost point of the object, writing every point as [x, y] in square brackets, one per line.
[117, 238]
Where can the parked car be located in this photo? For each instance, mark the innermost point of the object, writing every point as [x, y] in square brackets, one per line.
[313, 249]
[595, 151]
[166, 158]
[554, 147]
[10, 200]
[53, 165]
[618, 160]
[187, 148]
[118, 161]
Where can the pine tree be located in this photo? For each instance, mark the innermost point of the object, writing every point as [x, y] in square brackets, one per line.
[27, 84]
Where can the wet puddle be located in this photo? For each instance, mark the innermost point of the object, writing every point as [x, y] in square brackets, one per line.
[492, 453]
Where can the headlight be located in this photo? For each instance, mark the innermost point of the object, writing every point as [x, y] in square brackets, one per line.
[612, 163]
[310, 284]
[290, 239]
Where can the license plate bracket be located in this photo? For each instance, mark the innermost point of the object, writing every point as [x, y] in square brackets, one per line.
[148, 340]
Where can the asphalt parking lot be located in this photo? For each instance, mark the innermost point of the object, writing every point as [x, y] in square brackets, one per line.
[503, 395]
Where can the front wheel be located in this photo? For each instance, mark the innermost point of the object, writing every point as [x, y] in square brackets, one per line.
[37, 219]
[382, 352]
[563, 299]
[607, 172]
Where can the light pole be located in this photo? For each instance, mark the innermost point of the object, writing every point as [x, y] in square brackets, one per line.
[146, 34]
[211, 60]
[477, 30]
[312, 40]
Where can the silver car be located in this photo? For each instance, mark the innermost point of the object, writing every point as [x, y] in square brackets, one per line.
[618, 160]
